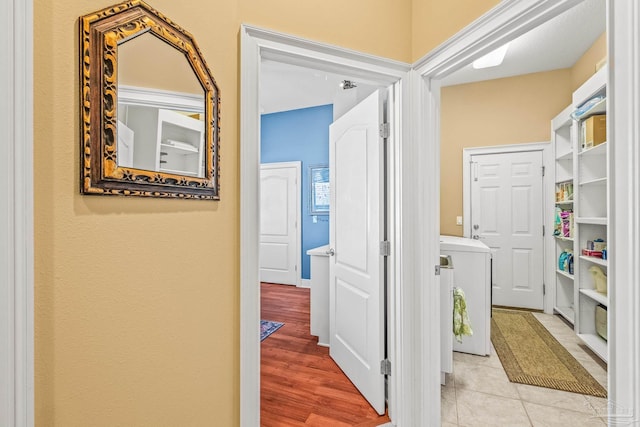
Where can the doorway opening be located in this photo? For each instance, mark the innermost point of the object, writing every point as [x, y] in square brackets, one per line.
[500, 110]
[365, 71]
[335, 157]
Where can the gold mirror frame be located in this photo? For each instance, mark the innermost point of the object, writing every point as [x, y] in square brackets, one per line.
[100, 33]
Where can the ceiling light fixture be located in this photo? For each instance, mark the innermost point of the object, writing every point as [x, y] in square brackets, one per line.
[492, 59]
[347, 84]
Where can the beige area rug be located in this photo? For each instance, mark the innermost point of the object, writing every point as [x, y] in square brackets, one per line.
[531, 355]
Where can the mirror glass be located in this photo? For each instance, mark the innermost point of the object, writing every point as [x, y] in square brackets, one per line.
[160, 114]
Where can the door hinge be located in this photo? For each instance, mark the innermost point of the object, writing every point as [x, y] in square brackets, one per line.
[437, 270]
[543, 231]
[385, 248]
[385, 367]
[295, 268]
[385, 130]
[544, 289]
[543, 169]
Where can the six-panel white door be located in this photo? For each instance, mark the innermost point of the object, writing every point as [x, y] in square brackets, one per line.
[507, 215]
[279, 219]
[356, 229]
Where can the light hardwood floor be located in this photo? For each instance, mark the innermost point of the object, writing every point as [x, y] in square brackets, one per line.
[300, 385]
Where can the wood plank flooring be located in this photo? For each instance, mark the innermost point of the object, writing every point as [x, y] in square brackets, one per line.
[300, 385]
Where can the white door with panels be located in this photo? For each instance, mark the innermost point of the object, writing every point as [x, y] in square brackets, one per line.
[356, 267]
[507, 215]
[280, 236]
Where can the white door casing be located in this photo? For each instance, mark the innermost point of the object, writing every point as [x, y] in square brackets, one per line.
[507, 215]
[16, 214]
[356, 276]
[280, 237]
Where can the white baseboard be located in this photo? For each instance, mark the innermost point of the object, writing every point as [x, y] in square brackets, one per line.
[305, 283]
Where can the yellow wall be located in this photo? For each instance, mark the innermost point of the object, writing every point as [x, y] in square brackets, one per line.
[137, 300]
[496, 112]
[435, 21]
[586, 65]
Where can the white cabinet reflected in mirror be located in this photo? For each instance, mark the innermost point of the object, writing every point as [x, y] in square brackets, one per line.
[160, 115]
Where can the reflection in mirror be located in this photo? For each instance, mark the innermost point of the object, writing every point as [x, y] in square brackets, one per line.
[150, 107]
[160, 114]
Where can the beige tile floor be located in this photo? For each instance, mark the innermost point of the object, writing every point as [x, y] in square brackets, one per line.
[478, 393]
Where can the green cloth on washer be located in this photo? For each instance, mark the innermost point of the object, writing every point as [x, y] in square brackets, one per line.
[461, 324]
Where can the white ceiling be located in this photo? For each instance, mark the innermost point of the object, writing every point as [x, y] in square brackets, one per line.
[286, 87]
[557, 44]
[554, 45]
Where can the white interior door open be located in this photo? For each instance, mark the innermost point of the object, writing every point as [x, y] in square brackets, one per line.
[280, 237]
[356, 290]
[507, 215]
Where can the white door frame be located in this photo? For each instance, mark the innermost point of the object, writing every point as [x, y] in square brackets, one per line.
[507, 21]
[548, 192]
[297, 165]
[16, 214]
[258, 44]
[624, 210]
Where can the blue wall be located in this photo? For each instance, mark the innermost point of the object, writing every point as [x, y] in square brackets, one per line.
[300, 135]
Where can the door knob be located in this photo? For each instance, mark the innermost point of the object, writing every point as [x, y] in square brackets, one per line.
[330, 252]
[476, 226]
[475, 236]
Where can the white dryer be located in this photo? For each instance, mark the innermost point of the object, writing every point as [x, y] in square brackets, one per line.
[472, 273]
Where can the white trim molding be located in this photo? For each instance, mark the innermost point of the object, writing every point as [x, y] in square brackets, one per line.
[258, 44]
[624, 171]
[159, 98]
[16, 214]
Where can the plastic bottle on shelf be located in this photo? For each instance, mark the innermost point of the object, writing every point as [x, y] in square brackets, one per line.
[570, 262]
[562, 259]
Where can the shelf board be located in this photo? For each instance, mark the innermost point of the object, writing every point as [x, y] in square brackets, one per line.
[592, 220]
[597, 181]
[566, 312]
[565, 202]
[564, 239]
[598, 150]
[179, 146]
[562, 181]
[596, 296]
[565, 274]
[594, 260]
[566, 156]
[178, 172]
[596, 344]
[599, 108]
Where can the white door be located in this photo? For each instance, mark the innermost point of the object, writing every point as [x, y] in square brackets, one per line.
[279, 219]
[356, 325]
[507, 215]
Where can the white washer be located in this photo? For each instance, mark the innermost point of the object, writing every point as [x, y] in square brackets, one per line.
[472, 273]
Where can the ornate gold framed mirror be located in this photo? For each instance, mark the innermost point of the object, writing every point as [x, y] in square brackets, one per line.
[149, 107]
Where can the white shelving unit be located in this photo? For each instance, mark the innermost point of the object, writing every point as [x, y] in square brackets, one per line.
[163, 130]
[165, 140]
[592, 205]
[576, 298]
[562, 138]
